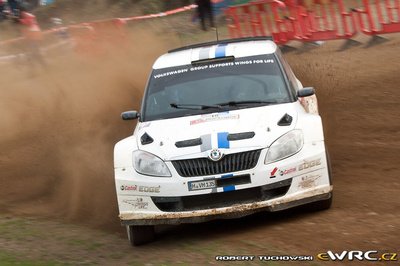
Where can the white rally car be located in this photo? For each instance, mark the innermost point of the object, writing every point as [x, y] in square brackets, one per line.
[225, 130]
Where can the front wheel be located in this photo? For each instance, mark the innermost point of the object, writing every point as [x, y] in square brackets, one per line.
[139, 235]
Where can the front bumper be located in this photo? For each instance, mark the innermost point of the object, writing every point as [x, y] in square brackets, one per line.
[236, 211]
[303, 177]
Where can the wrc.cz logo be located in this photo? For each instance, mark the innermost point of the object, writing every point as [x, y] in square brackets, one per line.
[370, 255]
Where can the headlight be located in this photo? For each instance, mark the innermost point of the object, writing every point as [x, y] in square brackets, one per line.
[285, 146]
[148, 164]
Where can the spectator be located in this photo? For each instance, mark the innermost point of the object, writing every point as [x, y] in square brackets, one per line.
[59, 29]
[32, 40]
[204, 9]
[13, 4]
[2, 4]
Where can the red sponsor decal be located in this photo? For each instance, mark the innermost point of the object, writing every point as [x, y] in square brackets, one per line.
[273, 172]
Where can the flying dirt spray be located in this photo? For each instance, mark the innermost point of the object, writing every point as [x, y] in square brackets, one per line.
[59, 127]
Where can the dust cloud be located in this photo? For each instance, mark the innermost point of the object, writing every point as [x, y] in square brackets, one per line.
[58, 126]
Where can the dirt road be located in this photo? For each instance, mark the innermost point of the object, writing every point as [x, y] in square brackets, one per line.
[58, 128]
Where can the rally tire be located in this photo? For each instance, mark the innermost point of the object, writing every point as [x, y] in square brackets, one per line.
[139, 235]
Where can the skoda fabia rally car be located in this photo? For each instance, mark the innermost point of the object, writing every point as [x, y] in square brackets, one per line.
[225, 130]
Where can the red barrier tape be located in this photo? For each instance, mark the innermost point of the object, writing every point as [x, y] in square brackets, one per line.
[163, 14]
[120, 21]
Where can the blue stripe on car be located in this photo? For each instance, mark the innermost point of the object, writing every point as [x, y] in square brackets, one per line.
[229, 188]
[227, 176]
[220, 51]
[223, 141]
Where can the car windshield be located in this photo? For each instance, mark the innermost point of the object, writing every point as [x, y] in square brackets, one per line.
[190, 90]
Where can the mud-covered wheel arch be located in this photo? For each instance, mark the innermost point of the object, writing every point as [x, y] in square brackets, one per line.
[140, 234]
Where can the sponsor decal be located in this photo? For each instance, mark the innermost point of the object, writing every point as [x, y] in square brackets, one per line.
[358, 255]
[273, 172]
[304, 166]
[287, 171]
[149, 189]
[214, 117]
[309, 164]
[204, 53]
[308, 181]
[138, 203]
[171, 73]
[128, 188]
[282, 172]
[140, 188]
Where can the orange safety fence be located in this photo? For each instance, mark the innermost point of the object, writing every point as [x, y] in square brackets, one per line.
[379, 17]
[312, 20]
[321, 20]
[257, 19]
[292, 20]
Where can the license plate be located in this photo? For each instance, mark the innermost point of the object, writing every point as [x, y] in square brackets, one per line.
[204, 184]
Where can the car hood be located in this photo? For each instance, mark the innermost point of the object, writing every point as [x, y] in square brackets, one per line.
[232, 131]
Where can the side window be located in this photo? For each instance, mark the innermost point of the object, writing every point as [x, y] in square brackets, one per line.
[292, 78]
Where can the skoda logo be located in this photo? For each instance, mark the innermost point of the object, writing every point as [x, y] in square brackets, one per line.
[215, 155]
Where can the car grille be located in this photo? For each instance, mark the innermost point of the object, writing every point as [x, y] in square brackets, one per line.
[229, 163]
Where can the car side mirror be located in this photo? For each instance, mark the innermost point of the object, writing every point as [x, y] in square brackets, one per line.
[305, 92]
[130, 115]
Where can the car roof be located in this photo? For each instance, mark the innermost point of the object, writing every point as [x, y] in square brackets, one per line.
[241, 47]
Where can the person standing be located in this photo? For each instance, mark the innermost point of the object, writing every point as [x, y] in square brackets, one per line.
[13, 4]
[2, 5]
[32, 35]
[204, 9]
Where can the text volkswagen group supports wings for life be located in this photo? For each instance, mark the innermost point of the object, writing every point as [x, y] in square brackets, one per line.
[201, 88]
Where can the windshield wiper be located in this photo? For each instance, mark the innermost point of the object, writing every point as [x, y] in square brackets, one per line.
[248, 102]
[194, 106]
